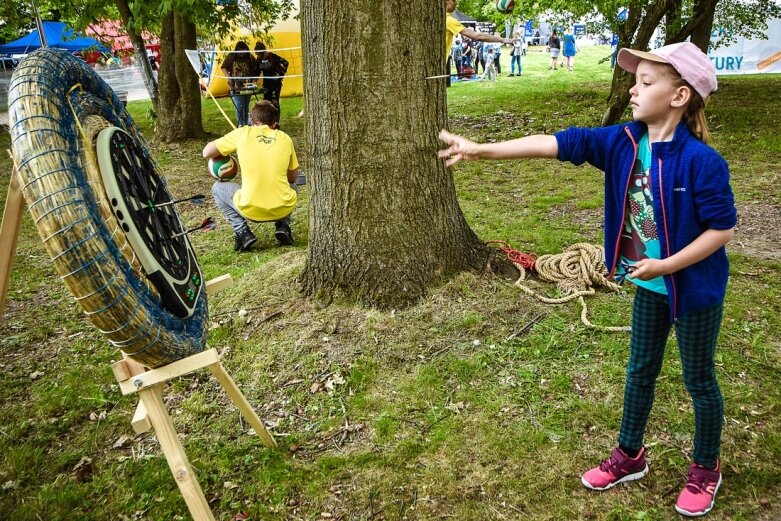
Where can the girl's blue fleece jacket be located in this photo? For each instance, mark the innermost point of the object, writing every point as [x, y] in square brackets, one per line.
[691, 193]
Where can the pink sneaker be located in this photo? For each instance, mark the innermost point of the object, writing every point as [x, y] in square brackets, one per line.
[699, 494]
[618, 468]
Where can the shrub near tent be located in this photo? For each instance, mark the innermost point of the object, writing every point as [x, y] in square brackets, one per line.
[223, 168]
[505, 6]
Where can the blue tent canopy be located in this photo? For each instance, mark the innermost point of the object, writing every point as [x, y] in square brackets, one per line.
[58, 36]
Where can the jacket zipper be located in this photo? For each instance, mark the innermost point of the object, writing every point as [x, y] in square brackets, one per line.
[623, 205]
[674, 298]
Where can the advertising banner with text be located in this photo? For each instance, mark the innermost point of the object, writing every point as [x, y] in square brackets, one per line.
[749, 56]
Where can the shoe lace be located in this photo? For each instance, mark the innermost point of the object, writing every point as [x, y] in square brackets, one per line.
[608, 464]
[696, 482]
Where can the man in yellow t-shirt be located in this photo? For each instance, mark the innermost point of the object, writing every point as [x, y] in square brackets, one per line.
[453, 27]
[269, 169]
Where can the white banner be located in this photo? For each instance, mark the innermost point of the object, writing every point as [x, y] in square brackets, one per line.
[749, 56]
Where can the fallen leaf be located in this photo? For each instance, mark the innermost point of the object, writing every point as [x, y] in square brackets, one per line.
[121, 442]
[456, 407]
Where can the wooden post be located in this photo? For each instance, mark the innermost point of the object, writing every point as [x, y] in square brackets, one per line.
[151, 413]
[9, 233]
[241, 403]
[152, 398]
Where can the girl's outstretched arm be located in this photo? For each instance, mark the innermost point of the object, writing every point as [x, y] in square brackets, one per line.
[460, 148]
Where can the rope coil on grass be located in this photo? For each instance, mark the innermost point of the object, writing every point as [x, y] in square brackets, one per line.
[577, 271]
[57, 105]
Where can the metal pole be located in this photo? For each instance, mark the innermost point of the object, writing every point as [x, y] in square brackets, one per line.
[39, 25]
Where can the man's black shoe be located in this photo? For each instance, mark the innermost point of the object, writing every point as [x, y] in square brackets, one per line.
[244, 241]
[283, 234]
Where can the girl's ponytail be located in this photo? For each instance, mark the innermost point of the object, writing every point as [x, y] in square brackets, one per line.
[695, 117]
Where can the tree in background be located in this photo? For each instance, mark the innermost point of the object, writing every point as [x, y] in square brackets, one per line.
[384, 220]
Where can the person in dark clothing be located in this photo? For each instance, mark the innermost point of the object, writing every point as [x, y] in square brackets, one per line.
[237, 67]
[554, 47]
[273, 67]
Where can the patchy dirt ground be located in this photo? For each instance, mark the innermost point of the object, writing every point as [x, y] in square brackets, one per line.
[758, 233]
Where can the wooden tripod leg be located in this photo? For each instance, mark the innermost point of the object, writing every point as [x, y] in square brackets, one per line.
[241, 402]
[152, 398]
[9, 233]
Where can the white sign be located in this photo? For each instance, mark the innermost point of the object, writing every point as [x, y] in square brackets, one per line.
[749, 56]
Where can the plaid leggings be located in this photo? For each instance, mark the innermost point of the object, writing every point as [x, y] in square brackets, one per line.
[697, 333]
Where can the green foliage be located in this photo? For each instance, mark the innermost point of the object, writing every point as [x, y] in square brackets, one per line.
[213, 20]
[747, 18]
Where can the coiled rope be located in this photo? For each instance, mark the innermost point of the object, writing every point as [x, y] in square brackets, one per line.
[577, 271]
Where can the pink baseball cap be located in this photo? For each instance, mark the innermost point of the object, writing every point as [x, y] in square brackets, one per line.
[692, 64]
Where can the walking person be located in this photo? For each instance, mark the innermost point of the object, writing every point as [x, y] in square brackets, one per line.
[570, 49]
[490, 65]
[554, 47]
[515, 54]
[669, 212]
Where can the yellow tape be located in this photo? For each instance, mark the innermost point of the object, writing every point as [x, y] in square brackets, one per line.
[222, 111]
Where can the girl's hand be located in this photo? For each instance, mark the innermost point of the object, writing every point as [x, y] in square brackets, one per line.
[647, 269]
[459, 148]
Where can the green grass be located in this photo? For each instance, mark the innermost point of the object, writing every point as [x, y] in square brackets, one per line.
[447, 409]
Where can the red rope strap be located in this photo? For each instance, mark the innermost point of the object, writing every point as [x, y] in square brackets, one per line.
[518, 257]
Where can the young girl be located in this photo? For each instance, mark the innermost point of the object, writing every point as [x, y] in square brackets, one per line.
[669, 211]
[489, 72]
[515, 55]
[570, 49]
[554, 47]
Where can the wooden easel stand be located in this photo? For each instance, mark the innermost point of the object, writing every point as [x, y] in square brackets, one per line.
[151, 412]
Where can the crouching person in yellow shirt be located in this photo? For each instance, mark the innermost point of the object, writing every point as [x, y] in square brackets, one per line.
[269, 169]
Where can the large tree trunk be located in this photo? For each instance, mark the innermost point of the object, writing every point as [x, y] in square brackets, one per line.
[385, 223]
[139, 48]
[179, 106]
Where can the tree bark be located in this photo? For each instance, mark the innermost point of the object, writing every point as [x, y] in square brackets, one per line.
[384, 220]
[179, 106]
[700, 25]
[139, 48]
[635, 33]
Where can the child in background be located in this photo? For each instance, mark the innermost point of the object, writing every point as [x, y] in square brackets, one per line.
[669, 211]
[515, 54]
[490, 65]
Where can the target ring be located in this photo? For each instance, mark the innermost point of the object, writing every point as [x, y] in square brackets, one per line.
[144, 209]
